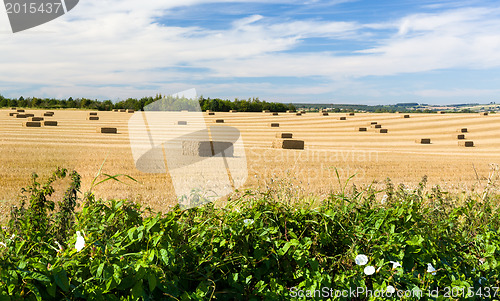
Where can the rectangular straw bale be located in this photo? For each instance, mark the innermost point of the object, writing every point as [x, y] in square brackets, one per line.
[441, 112]
[423, 141]
[275, 125]
[50, 123]
[48, 114]
[361, 129]
[116, 110]
[233, 111]
[275, 114]
[107, 130]
[284, 135]
[21, 116]
[373, 122]
[350, 114]
[383, 131]
[182, 122]
[298, 114]
[266, 111]
[29, 115]
[36, 118]
[376, 126]
[207, 148]
[324, 113]
[462, 130]
[288, 144]
[290, 111]
[483, 113]
[123, 110]
[32, 124]
[211, 113]
[130, 111]
[13, 108]
[92, 113]
[208, 111]
[93, 118]
[406, 116]
[460, 136]
[466, 143]
[219, 121]
[342, 118]
[20, 110]
[13, 114]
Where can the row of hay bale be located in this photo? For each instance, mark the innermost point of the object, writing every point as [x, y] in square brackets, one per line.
[374, 125]
[33, 121]
[124, 110]
[459, 137]
[285, 141]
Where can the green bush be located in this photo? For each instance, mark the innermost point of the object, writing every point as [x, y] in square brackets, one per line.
[254, 248]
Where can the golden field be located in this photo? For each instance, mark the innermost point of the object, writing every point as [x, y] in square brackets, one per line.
[329, 143]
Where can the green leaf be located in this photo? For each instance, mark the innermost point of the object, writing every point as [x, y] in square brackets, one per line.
[62, 280]
[35, 291]
[137, 290]
[164, 256]
[151, 282]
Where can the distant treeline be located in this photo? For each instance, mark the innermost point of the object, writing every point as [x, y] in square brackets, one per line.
[215, 104]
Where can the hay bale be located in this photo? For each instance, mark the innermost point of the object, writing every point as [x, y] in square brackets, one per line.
[350, 114]
[123, 111]
[275, 125]
[288, 144]
[219, 121]
[274, 114]
[483, 113]
[92, 113]
[116, 110]
[460, 136]
[50, 123]
[182, 122]
[233, 111]
[32, 124]
[93, 118]
[343, 118]
[211, 113]
[441, 112]
[107, 130]
[466, 143]
[266, 111]
[13, 108]
[29, 115]
[20, 110]
[423, 141]
[208, 111]
[13, 114]
[298, 114]
[462, 130]
[324, 113]
[36, 119]
[383, 131]
[130, 111]
[361, 129]
[48, 114]
[21, 116]
[284, 135]
[376, 126]
[373, 122]
[207, 148]
[406, 116]
[290, 111]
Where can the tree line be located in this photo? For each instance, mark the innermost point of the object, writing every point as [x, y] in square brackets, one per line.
[214, 104]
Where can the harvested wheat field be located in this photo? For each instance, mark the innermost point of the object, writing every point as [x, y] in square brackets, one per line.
[329, 144]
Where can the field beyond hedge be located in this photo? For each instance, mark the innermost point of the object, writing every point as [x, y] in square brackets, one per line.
[261, 245]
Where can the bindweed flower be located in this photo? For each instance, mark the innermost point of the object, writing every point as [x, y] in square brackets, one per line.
[80, 241]
[248, 221]
[361, 259]
[431, 269]
[395, 264]
[369, 270]
[384, 199]
[391, 289]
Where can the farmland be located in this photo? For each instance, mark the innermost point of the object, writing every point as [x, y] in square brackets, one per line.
[330, 144]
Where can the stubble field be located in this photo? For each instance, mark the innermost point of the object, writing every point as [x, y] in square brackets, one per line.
[330, 144]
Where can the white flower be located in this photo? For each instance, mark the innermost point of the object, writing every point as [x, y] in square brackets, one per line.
[80, 241]
[59, 245]
[3, 244]
[431, 269]
[13, 236]
[384, 198]
[248, 221]
[361, 259]
[391, 289]
[395, 264]
[369, 270]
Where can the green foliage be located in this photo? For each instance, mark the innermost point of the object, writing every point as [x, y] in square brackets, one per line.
[254, 248]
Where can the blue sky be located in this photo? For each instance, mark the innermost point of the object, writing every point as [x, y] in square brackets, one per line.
[368, 52]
